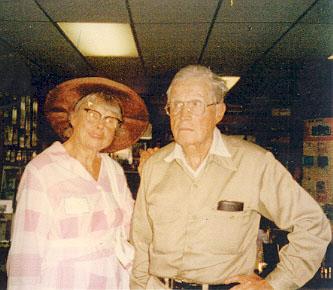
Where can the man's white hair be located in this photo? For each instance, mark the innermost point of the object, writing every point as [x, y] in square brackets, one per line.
[198, 71]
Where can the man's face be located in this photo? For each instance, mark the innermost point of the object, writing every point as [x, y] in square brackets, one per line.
[187, 127]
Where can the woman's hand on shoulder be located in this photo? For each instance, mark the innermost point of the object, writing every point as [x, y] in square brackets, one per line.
[144, 155]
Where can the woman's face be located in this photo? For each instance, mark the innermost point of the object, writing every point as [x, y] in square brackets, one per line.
[94, 124]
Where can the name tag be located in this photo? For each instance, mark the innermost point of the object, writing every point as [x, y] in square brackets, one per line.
[76, 205]
[227, 205]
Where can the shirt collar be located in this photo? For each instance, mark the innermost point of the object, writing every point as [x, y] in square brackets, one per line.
[217, 148]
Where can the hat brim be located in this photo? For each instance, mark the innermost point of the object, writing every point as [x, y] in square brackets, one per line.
[61, 100]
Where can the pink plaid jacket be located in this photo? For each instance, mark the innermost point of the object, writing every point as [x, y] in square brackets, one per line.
[64, 227]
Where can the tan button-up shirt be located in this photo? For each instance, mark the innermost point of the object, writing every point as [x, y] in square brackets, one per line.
[179, 232]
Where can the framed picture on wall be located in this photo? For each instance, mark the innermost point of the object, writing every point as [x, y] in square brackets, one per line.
[9, 181]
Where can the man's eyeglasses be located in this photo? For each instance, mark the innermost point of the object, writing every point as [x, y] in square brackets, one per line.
[94, 117]
[196, 107]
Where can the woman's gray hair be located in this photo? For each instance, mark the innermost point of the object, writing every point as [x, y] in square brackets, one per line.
[108, 99]
[198, 71]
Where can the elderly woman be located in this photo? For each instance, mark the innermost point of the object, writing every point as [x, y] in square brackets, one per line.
[73, 203]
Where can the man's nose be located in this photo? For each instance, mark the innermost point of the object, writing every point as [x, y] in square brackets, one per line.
[185, 112]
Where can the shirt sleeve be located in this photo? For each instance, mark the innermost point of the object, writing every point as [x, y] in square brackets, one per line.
[29, 232]
[291, 208]
[141, 237]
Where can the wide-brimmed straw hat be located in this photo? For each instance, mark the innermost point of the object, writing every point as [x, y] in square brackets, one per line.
[61, 100]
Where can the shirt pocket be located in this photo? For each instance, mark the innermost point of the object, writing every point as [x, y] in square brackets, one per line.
[162, 215]
[76, 206]
[73, 217]
[165, 222]
[224, 231]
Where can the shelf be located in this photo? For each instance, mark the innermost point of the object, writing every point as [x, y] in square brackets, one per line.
[18, 142]
[131, 172]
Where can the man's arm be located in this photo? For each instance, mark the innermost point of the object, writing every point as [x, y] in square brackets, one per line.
[141, 236]
[291, 208]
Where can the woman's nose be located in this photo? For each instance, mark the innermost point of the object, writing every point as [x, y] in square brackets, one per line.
[101, 123]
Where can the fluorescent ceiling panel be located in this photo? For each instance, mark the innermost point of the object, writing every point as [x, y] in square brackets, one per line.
[101, 39]
[230, 81]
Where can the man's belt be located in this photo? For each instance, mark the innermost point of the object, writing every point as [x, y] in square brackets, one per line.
[177, 284]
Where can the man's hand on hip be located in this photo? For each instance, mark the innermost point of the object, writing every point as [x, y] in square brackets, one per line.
[249, 282]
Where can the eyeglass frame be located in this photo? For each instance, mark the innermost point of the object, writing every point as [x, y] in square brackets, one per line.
[101, 117]
[168, 112]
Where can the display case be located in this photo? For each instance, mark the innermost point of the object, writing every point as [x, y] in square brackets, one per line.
[18, 145]
[129, 159]
[18, 142]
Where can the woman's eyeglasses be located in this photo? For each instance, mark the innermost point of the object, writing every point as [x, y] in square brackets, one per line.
[94, 117]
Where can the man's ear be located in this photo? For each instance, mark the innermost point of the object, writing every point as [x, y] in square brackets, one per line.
[220, 110]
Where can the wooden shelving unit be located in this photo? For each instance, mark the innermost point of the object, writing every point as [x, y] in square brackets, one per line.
[18, 145]
[18, 142]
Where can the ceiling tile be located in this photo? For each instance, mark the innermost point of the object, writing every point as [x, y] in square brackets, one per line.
[262, 10]
[170, 46]
[125, 70]
[5, 50]
[322, 13]
[170, 33]
[306, 40]
[20, 10]
[172, 11]
[118, 67]
[161, 65]
[231, 66]
[42, 42]
[86, 10]
[15, 76]
[243, 40]
[166, 40]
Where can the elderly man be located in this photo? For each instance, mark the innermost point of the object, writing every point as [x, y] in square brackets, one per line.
[197, 213]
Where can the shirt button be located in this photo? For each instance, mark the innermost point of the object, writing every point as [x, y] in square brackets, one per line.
[99, 187]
